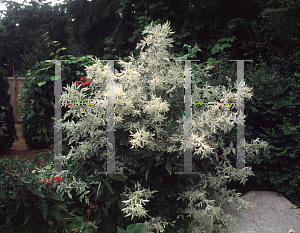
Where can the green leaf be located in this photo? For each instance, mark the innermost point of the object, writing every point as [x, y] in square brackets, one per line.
[99, 191]
[15, 193]
[93, 179]
[48, 167]
[105, 211]
[149, 164]
[169, 167]
[159, 163]
[146, 173]
[143, 169]
[136, 228]
[77, 72]
[43, 208]
[190, 179]
[153, 5]
[18, 205]
[119, 218]
[210, 60]
[26, 180]
[120, 230]
[89, 230]
[63, 208]
[47, 138]
[10, 213]
[107, 184]
[38, 192]
[39, 130]
[25, 203]
[54, 196]
[42, 83]
[120, 203]
[42, 112]
[55, 212]
[28, 216]
[112, 199]
[198, 27]
[108, 42]
[44, 127]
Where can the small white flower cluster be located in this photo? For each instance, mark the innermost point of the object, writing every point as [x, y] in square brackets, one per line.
[134, 205]
[157, 224]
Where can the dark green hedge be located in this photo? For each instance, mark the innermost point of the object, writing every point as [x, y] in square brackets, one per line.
[7, 122]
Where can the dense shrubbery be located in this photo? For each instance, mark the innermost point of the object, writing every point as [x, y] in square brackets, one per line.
[153, 149]
[29, 202]
[272, 115]
[39, 99]
[7, 121]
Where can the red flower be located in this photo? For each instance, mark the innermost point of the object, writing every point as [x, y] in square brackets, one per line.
[81, 78]
[58, 179]
[91, 80]
[85, 83]
[78, 91]
[79, 164]
[22, 190]
[51, 178]
[49, 184]
[44, 180]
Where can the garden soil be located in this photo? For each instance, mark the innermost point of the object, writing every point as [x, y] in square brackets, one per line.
[20, 149]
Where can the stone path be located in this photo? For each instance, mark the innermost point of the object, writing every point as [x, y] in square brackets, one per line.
[271, 214]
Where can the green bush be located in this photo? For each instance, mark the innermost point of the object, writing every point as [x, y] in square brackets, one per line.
[29, 202]
[8, 133]
[36, 128]
[149, 118]
[39, 98]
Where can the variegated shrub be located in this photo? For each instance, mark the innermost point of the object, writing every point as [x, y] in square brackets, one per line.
[149, 115]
